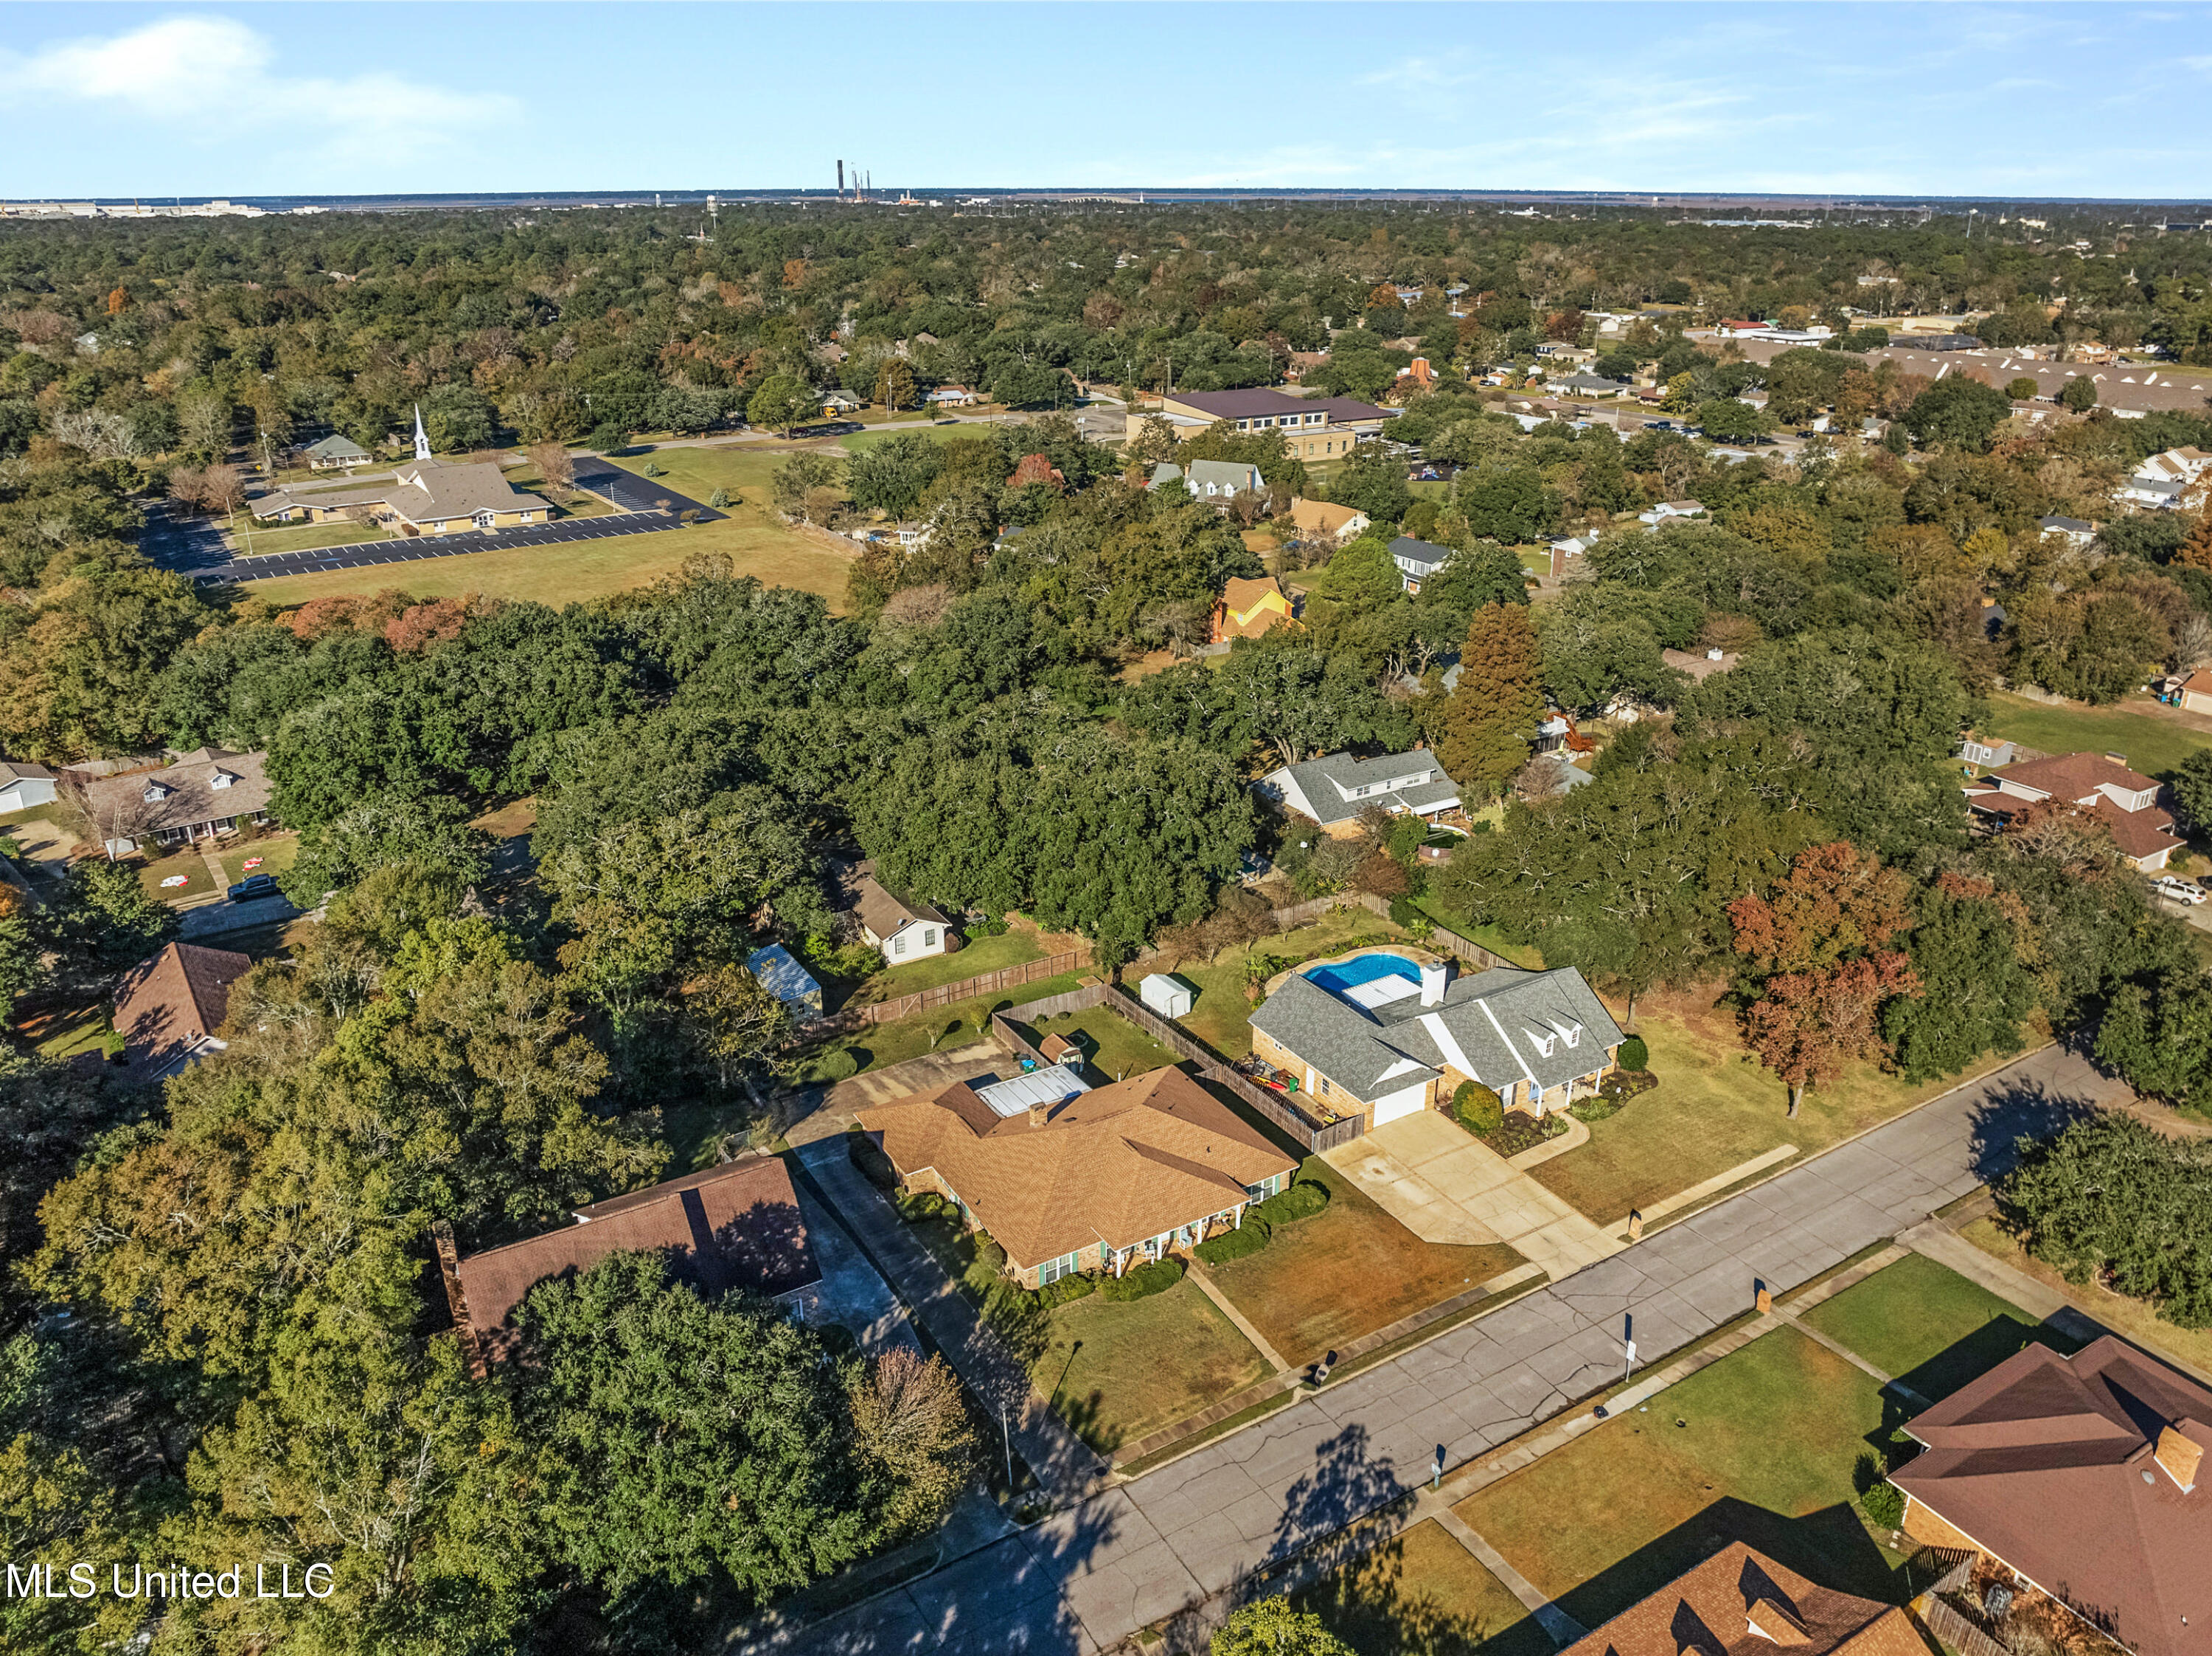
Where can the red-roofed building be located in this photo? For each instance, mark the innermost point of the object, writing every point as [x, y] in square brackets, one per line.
[2085, 1477]
[2097, 784]
[168, 1008]
[737, 1226]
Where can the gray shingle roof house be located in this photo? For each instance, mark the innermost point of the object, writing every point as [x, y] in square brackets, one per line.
[1389, 1046]
[195, 796]
[1416, 560]
[1334, 789]
[334, 452]
[1217, 481]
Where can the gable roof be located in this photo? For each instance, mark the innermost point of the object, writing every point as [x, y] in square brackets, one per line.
[1741, 1603]
[1495, 1026]
[1124, 1163]
[1165, 472]
[22, 770]
[168, 1006]
[737, 1226]
[421, 491]
[203, 785]
[1325, 783]
[1242, 596]
[885, 912]
[336, 447]
[1324, 516]
[1421, 552]
[2075, 776]
[1225, 474]
[2054, 1465]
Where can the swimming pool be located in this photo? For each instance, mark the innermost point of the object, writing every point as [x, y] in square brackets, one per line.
[1347, 975]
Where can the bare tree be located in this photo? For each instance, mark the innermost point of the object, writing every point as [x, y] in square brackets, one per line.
[104, 815]
[556, 466]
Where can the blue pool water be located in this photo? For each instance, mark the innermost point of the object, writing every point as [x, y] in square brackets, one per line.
[1368, 968]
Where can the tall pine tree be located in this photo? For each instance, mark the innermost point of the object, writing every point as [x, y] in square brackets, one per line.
[1491, 717]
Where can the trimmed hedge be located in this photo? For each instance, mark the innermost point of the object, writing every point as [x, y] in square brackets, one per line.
[1156, 1277]
[1301, 1201]
[1238, 1243]
[839, 1064]
[922, 1204]
[1634, 1054]
[1478, 1108]
[1066, 1289]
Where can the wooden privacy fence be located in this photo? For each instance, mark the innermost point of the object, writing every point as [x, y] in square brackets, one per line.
[1303, 1129]
[1442, 938]
[1958, 1631]
[946, 994]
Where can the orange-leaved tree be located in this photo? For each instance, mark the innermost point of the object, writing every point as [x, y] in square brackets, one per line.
[1819, 946]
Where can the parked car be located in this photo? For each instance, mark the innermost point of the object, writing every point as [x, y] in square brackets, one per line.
[254, 885]
[2179, 889]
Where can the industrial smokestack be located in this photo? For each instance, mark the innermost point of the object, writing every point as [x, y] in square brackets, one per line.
[840, 180]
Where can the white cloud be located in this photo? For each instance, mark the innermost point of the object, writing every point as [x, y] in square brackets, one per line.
[215, 80]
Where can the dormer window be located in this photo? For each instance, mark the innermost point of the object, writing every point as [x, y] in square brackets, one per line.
[221, 780]
[155, 793]
[1544, 1044]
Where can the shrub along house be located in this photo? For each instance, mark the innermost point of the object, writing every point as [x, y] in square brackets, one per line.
[1069, 1178]
[1380, 1036]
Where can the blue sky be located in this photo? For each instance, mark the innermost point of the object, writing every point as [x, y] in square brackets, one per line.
[2104, 99]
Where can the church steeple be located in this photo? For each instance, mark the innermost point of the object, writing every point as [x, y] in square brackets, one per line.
[421, 440]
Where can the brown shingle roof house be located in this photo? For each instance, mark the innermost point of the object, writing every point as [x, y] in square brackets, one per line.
[168, 1008]
[1740, 1603]
[2097, 784]
[2086, 1476]
[1099, 1182]
[734, 1226]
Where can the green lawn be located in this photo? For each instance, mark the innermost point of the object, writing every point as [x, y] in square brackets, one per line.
[303, 537]
[1113, 1047]
[1489, 937]
[754, 541]
[51, 812]
[188, 863]
[63, 1035]
[1423, 1592]
[1928, 1326]
[2131, 1319]
[2154, 743]
[1322, 1283]
[1219, 1015]
[1117, 1373]
[866, 439]
[971, 960]
[1764, 1453]
[1715, 1108]
[879, 1044]
[276, 853]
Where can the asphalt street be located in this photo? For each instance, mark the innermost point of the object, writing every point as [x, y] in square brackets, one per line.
[1090, 1576]
[645, 506]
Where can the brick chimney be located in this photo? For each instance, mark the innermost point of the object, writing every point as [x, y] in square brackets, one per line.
[456, 1299]
[1038, 1114]
[2179, 1456]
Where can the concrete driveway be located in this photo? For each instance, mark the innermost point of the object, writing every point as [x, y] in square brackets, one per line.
[1430, 1175]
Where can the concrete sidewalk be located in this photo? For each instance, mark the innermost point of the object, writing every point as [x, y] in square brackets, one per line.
[1192, 1531]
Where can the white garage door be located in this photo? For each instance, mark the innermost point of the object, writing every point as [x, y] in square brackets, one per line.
[1392, 1106]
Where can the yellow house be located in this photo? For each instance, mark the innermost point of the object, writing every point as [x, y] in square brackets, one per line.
[423, 497]
[1325, 520]
[1313, 428]
[1250, 608]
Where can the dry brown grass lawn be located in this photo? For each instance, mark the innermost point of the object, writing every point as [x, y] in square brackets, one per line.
[1322, 1283]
